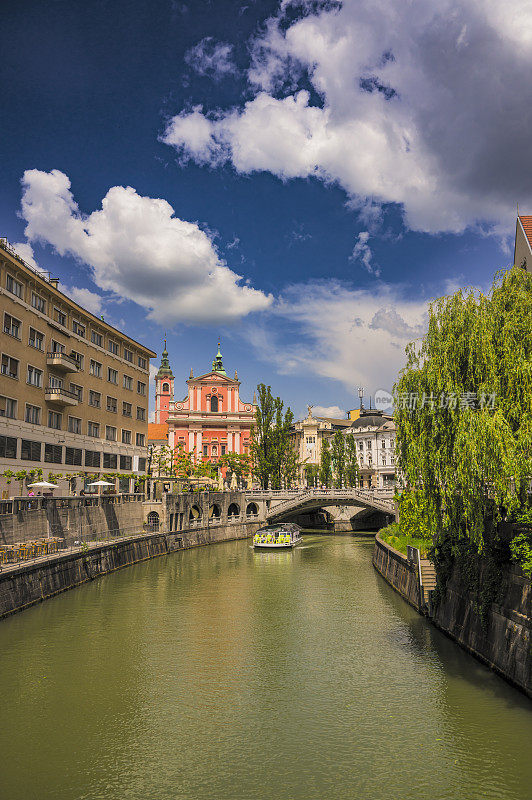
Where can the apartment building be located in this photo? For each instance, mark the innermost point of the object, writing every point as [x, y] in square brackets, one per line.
[73, 389]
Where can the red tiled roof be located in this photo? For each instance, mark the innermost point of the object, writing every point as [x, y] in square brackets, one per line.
[526, 222]
[157, 432]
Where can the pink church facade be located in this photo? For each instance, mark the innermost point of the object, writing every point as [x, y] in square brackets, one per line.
[211, 420]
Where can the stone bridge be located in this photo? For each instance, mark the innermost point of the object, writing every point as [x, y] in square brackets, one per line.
[312, 499]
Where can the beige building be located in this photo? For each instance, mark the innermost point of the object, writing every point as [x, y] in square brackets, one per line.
[523, 243]
[73, 389]
[374, 434]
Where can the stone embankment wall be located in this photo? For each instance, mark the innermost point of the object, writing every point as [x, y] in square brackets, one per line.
[504, 643]
[73, 518]
[26, 584]
[398, 571]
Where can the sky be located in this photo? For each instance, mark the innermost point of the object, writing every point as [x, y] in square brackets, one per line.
[298, 179]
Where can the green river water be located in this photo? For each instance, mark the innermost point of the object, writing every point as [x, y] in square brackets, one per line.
[223, 674]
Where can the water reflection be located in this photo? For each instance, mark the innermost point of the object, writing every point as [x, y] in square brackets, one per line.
[226, 673]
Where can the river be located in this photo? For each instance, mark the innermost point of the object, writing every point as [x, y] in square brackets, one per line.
[223, 674]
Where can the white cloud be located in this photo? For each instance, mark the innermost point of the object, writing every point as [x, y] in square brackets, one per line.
[354, 336]
[211, 58]
[332, 412]
[138, 249]
[25, 251]
[362, 252]
[406, 112]
[89, 300]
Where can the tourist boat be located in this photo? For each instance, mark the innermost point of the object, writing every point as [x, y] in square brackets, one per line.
[277, 537]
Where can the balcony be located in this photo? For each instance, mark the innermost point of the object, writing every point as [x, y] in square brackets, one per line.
[62, 362]
[60, 396]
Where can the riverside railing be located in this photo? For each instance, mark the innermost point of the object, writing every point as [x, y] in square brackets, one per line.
[16, 504]
[66, 541]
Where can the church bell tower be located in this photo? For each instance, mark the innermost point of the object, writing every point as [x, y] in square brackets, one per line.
[164, 388]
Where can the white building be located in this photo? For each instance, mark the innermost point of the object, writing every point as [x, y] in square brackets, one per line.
[374, 434]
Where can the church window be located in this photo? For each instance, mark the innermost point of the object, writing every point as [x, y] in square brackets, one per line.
[214, 404]
[166, 387]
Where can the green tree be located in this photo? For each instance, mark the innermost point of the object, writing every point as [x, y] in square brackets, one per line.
[312, 472]
[273, 463]
[325, 463]
[464, 414]
[338, 458]
[352, 471]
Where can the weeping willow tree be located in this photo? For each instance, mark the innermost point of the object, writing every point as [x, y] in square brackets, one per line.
[464, 413]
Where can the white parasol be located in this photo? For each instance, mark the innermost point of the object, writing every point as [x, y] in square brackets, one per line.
[42, 485]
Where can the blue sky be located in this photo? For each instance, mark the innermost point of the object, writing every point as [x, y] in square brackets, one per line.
[303, 177]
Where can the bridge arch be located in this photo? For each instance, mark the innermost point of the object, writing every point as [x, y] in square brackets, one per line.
[233, 510]
[215, 512]
[252, 510]
[195, 513]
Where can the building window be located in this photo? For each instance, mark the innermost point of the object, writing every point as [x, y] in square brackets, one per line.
[112, 375]
[73, 456]
[93, 429]
[57, 347]
[79, 359]
[205, 450]
[96, 338]
[214, 450]
[111, 404]
[110, 433]
[36, 339]
[166, 387]
[125, 462]
[95, 399]
[74, 425]
[54, 420]
[95, 369]
[55, 383]
[214, 404]
[128, 382]
[77, 390]
[142, 363]
[8, 407]
[33, 414]
[223, 449]
[38, 303]
[126, 437]
[12, 326]
[92, 458]
[140, 440]
[141, 388]
[8, 447]
[9, 367]
[110, 461]
[13, 286]
[53, 453]
[113, 347]
[30, 451]
[35, 376]
[142, 465]
[128, 355]
[78, 328]
[60, 316]
[141, 414]
[126, 409]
